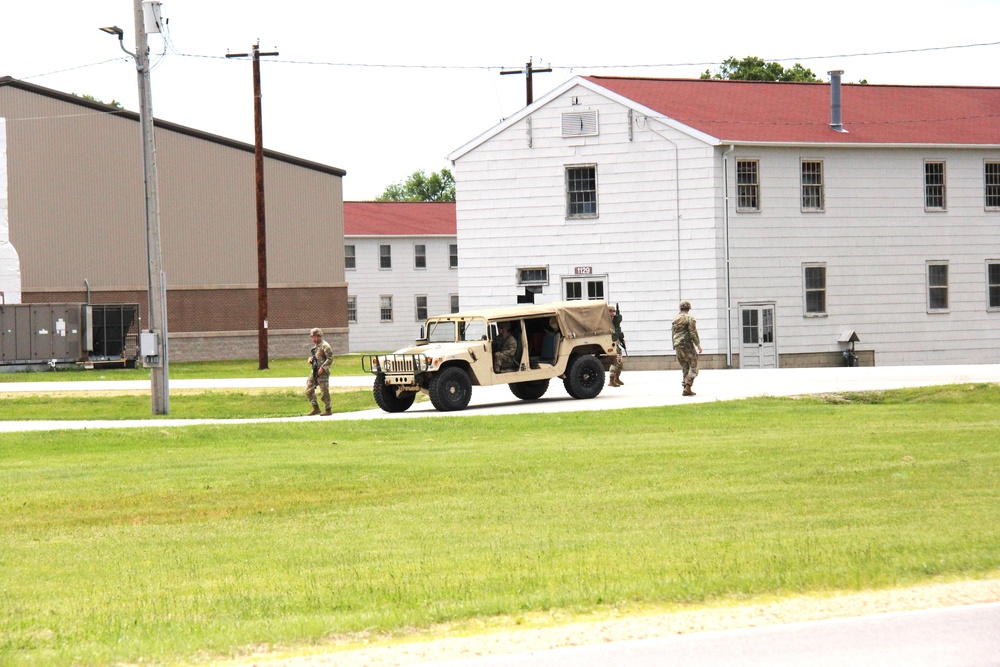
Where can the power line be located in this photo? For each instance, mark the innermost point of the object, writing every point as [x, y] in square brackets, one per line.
[70, 69]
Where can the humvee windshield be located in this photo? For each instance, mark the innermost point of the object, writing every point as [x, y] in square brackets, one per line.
[441, 332]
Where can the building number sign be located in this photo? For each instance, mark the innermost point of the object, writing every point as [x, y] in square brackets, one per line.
[584, 270]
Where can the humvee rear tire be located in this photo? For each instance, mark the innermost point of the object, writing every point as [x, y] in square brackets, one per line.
[529, 391]
[584, 377]
[386, 398]
[450, 389]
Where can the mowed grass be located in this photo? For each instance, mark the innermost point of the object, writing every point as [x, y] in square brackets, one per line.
[186, 544]
[348, 364]
[184, 404]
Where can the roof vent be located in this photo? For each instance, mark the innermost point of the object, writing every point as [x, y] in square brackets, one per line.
[836, 122]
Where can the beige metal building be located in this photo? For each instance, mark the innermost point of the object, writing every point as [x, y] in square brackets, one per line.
[77, 221]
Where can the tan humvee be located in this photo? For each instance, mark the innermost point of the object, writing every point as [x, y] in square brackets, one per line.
[568, 339]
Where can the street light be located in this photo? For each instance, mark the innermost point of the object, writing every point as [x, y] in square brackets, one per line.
[153, 343]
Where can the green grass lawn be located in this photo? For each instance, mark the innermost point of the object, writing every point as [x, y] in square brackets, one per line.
[347, 364]
[183, 544]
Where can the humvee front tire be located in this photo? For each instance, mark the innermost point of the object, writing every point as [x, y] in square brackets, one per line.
[584, 377]
[386, 398]
[529, 391]
[450, 389]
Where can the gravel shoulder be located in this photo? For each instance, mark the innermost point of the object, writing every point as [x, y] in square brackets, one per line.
[549, 631]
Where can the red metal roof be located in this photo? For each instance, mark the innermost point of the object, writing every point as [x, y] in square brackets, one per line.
[390, 218]
[755, 111]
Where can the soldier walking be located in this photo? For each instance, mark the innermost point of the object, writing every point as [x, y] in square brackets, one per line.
[685, 338]
[320, 360]
[615, 376]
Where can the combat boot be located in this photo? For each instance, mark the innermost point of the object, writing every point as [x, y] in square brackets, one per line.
[315, 411]
[327, 412]
[687, 390]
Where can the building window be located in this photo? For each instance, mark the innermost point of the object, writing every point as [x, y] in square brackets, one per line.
[535, 275]
[934, 191]
[578, 290]
[454, 303]
[420, 256]
[747, 185]
[385, 308]
[815, 288]
[937, 286]
[385, 256]
[352, 310]
[453, 255]
[812, 185]
[581, 192]
[991, 174]
[421, 307]
[350, 260]
[993, 284]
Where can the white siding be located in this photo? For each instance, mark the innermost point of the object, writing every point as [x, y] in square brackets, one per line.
[404, 282]
[512, 213]
[875, 238]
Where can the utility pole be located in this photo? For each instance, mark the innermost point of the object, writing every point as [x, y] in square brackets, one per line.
[157, 315]
[258, 158]
[527, 72]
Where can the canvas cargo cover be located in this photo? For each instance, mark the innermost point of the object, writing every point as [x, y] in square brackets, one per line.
[576, 318]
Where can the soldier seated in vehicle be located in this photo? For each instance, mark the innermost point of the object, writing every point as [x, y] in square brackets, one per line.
[504, 349]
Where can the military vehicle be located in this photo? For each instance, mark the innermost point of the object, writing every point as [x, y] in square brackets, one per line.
[571, 340]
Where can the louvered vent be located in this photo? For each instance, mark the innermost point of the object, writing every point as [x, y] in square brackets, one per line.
[579, 124]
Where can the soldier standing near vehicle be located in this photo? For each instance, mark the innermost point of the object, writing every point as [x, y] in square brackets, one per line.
[320, 360]
[615, 376]
[685, 338]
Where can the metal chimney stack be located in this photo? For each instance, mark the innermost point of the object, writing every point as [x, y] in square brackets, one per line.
[836, 122]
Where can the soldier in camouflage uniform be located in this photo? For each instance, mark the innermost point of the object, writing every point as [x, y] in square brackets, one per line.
[322, 357]
[685, 339]
[504, 348]
[618, 366]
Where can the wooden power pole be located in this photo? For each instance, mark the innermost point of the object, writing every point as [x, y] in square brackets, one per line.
[527, 72]
[258, 154]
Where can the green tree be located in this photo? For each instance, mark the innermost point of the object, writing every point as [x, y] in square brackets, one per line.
[438, 186]
[113, 103]
[753, 68]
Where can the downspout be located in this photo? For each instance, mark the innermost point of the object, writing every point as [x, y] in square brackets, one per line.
[725, 241]
[87, 283]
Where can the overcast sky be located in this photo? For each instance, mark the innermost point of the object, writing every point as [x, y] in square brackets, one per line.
[382, 123]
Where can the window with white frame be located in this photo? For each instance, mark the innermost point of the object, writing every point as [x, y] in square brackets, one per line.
[581, 191]
[533, 275]
[589, 289]
[350, 260]
[934, 186]
[814, 280]
[454, 303]
[419, 256]
[420, 303]
[991, 176]
[453, 256]
[812, 185]
[747, 185]
[993, 284]
[385, 256]
[352, 310]
[385, 308]
[937, 286]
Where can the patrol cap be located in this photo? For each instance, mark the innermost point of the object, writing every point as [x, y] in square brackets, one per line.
[316, 332]
[685, 305]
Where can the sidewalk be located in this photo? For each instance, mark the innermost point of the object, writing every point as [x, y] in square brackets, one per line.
[642, 389]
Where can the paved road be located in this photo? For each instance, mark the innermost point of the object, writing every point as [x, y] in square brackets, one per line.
[951, 637]
[642, 389]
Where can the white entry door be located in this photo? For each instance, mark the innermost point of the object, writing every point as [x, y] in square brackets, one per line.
[757, 345]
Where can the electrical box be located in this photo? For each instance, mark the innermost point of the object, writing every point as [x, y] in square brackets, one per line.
[151, 16]
[148, 344]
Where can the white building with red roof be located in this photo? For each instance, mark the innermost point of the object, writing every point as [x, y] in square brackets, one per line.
[401, 261]
[791, 215]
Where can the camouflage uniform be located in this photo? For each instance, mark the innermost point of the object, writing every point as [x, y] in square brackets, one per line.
[324, 355]
[686, 344]
[504, 351]
[618, 366]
